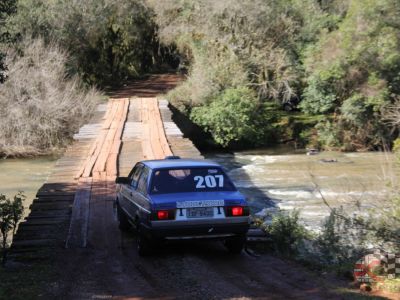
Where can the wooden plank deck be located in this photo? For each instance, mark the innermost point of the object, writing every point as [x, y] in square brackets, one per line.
[122, 132]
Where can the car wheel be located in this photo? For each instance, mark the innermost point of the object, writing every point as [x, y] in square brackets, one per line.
[144, 245]
[235, 244]
[122, 218]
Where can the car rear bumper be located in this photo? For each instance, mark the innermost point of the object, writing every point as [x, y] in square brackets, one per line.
[197, 229]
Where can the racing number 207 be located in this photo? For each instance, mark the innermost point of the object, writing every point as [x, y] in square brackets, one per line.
[209, 181]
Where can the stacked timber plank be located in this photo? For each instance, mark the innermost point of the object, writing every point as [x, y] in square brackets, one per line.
[131, 150]
[98, 171]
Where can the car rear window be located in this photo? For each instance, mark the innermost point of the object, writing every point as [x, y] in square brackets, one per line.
[188, 180]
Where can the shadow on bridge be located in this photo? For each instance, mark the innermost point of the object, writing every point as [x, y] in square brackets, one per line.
[151, 86]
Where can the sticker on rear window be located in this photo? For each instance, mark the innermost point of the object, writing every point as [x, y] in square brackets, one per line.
[209, 181]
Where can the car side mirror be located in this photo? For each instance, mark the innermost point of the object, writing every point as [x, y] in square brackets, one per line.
[122, 180]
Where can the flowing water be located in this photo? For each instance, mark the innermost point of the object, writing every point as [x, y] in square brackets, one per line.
[26, 175]
[285, 179]
[270, 179]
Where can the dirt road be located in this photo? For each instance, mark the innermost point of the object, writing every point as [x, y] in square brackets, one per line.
[109, 266]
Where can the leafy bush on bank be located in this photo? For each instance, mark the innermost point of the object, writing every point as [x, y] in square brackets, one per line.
[40, 106]
[287, 233]
[234, 116]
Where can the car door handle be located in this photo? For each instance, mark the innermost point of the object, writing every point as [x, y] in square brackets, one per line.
[131, 193]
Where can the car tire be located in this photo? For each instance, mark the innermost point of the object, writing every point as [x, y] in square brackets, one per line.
[144, 245]
[122, 219]
[235, 244]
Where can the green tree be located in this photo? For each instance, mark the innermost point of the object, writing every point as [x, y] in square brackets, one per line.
[108, 41]
[11, 212]
[353, 71]
[7, 7]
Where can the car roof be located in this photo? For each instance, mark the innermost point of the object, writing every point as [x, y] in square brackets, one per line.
[179, 163]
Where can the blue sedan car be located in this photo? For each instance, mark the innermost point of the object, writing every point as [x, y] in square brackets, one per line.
[179, 199]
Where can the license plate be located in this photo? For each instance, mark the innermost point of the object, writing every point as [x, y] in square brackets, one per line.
[201, 203]
[200, 212]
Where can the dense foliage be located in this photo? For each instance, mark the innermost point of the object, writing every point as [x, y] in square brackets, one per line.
[7, 8]
[108, 40]
[234, 116]
[334, 65]
[337, 58]
[56, 51]
[354, 72]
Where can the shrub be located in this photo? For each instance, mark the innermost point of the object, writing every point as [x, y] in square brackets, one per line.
[234, 116]
[328, 134]
[318, 99]
[342, 239]
[11, 212]
[40, 107]
[287, 233]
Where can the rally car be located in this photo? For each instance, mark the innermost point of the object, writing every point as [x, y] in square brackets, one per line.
[179, 199]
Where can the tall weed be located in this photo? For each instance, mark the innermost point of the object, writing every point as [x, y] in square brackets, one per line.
[40, 106]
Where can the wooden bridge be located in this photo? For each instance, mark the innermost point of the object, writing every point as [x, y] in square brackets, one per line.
[122, 132]
[72, 221]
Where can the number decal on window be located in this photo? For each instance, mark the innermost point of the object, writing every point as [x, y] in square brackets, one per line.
[220, 180]
[199, 182]
[209, 180]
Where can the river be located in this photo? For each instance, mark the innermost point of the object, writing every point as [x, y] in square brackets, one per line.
[26, 175]
[283, 179]
[278, 178]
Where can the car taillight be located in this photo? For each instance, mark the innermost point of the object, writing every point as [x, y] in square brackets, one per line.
[237, 211]
[163, 215]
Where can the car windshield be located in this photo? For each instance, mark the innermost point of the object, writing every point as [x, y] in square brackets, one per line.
[188, 180]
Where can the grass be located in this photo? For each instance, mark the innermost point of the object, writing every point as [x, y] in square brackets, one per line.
[26, 282]
[352, 294]
[390, 285]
